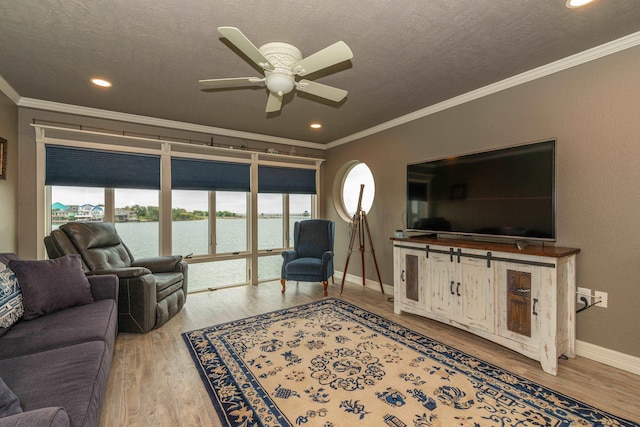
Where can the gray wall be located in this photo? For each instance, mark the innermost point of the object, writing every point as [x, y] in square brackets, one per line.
[8, 187]
[593, 112]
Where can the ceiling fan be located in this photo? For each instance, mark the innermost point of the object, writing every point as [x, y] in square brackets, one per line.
[281, 63]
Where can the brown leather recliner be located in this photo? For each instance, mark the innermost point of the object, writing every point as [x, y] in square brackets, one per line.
[152, 290]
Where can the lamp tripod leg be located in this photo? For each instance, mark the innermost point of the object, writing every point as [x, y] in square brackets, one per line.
[373, 252]
[354, 231]
[362, 250]
[359, 218]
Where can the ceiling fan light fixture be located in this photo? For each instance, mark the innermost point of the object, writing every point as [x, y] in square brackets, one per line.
[315, 125]
[281, 63]
[572, 4]
[280, 83]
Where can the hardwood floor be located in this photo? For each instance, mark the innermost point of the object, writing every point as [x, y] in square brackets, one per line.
[153, 381]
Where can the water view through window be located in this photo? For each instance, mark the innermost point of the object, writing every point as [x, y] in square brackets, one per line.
[136, 217]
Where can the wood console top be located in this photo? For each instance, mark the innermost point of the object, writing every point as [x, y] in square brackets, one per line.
[535, 249]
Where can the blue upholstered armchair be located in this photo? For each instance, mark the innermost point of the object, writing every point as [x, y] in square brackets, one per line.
[311, 259]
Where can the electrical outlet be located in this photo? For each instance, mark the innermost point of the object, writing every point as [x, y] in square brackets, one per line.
[583, 292]
[602, 297]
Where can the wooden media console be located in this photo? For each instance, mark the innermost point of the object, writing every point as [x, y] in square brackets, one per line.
[523, 299]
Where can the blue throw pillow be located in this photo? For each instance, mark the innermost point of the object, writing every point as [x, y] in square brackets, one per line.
[51, 285]
[11, 307]
[9, 402]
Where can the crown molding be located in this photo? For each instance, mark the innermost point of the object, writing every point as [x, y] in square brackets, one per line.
[153, 121]
[8, 90]
[597, 52]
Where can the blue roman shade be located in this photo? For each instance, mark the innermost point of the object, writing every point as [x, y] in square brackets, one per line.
[273, 179]
[192, 174]
[73, 166]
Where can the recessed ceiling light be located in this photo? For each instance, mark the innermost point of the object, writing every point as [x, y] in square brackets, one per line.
[572, 4]
[315, 125]
[101, 82]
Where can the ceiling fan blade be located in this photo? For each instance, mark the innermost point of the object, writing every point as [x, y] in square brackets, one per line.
[331, 55]
[236, 81]
[274, 103]
[323, 91]
[241, 41]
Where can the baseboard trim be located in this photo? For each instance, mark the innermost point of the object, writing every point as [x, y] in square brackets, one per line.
[615, 359]
[609, 357]
[368, 283]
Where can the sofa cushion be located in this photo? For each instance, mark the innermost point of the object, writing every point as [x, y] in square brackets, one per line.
[5, 258]
[9, 402]
[50, 417]
[305, 266]
[51, 285]
[83, 323]
[11, 307]
[73, 378]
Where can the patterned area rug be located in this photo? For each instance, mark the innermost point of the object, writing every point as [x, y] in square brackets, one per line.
[332, 364]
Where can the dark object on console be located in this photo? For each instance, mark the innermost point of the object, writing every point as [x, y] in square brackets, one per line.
[152, 290]
[311, 259]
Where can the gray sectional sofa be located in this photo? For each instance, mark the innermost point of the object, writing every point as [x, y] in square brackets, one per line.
[54, 367]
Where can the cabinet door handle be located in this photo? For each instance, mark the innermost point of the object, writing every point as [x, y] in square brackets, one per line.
[451, 288]
[402, 276]
[535, 301]
[458, 289]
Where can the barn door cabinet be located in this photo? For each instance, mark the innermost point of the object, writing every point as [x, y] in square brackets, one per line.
[522, 299]
[461, 289]
[410, 279]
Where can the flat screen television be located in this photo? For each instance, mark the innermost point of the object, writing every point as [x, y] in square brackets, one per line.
[505, 193]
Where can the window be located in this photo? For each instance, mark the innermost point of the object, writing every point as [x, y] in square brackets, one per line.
[189, 222]
[193, 230]
[76, 204]
[231, 222]
[217, 274]
[199, 184]
[278, 186]
[271, 224]
[270, 221]
[348, 190]
[206, 193]
[136, 220]
[113, 182]
[269, 267]
[300, 208]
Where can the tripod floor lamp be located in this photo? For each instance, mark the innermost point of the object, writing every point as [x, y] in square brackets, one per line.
[359, 229]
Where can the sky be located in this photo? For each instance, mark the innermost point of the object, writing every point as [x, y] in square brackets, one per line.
[358, 175]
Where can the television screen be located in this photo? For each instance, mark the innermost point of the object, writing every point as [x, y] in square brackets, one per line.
[508, 192]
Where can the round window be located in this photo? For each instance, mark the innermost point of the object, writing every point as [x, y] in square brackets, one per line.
[356, 175]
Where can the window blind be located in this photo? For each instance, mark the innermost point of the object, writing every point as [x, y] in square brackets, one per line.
[194, 174]
[73, 166]
[274, 179]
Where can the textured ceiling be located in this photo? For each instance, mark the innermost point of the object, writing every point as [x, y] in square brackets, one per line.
[408, 55]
